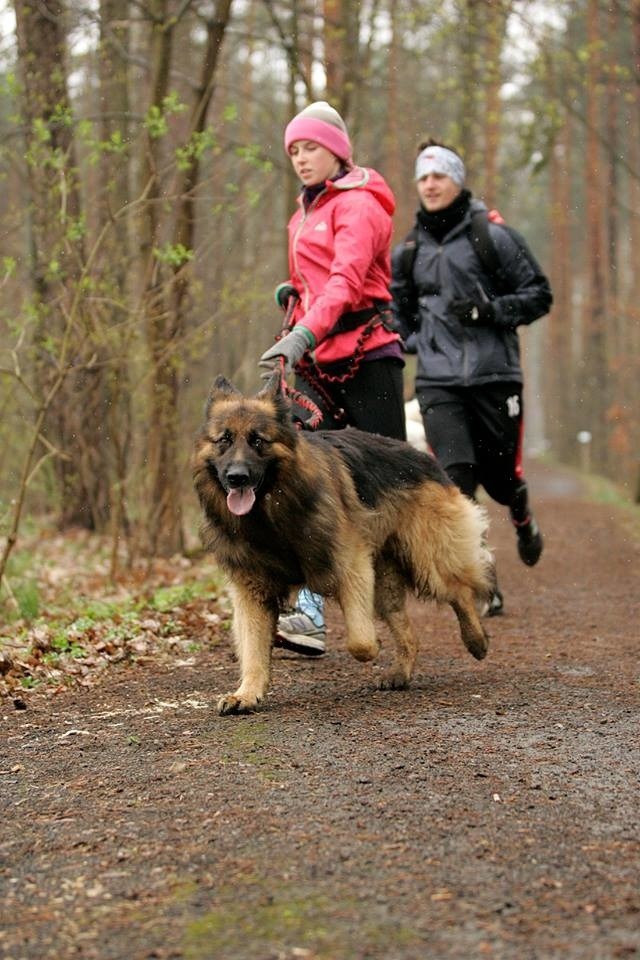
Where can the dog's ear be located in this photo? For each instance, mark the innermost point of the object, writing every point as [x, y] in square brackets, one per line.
[273, 391]
[220, 388]
[272, 387]
[225, 387]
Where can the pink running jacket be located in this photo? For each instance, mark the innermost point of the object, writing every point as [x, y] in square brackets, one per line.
[339, 259]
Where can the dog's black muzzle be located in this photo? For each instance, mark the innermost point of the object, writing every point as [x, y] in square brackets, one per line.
[236, 476]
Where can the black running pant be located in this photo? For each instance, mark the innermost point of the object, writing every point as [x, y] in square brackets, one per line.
[372, 400]
[476, 435]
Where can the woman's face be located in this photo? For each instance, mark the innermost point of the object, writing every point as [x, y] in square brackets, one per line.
[312, 163]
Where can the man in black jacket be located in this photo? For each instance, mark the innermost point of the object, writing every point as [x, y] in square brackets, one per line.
[459, 309]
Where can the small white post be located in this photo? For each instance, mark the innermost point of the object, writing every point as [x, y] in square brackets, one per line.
[584, 439]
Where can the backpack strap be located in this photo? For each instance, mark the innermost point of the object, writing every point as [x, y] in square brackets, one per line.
[485, 249]
[482, 243]
[408, 256]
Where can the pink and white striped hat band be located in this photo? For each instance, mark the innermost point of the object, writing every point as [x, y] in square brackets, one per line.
[322, 124]
[440, 160]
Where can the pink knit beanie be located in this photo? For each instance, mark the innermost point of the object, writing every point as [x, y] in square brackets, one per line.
[322, 124]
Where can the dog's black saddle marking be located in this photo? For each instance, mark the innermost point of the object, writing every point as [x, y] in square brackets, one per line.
[380, 464]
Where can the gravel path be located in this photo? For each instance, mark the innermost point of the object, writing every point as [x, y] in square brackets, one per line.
[491, 811]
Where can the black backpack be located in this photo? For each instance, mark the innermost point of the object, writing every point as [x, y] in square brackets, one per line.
[485, 249]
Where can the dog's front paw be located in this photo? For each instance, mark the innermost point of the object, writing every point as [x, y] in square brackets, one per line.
[230, 703]
[477, 643]
[395, 678]
[363, 649]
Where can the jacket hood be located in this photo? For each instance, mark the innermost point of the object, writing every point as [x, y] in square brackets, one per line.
[364, 178]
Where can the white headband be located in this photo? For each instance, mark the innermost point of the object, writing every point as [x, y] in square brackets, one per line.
[440, 160]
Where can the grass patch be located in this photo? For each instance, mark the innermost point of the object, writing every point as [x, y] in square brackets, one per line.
[606, 491]
[67, 624]
[27, 597]
[601, 490]
[90, 611]
[65, 641]
[20, 592]
[168, 598]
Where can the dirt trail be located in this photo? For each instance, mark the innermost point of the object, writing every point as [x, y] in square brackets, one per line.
[489, 812]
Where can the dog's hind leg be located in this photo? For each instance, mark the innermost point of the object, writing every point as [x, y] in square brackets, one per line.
[355, 596]
[254, 625]
[474, 636]
[444, 543]
[391, 597]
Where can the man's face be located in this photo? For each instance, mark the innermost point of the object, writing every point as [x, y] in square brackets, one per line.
[437, 191]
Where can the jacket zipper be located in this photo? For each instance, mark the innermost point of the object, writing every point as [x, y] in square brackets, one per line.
[294, 247]
[465, 351]
[465, 336]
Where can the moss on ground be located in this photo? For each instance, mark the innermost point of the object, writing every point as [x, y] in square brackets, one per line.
[291, 924]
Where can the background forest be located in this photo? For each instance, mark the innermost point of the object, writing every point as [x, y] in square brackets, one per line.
[146, 192]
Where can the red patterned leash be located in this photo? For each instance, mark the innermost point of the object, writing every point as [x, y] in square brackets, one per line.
[317, 378]
[300, 399]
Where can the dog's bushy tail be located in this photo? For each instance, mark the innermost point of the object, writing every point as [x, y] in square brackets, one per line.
[446, 542]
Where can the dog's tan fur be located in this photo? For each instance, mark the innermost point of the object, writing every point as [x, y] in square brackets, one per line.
[355, 517]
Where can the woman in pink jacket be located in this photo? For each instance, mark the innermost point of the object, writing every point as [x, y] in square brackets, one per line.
[345, 355]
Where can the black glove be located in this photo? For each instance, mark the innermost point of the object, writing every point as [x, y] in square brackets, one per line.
[410, 344]
[292, 347]
[283, 293]
[472, 314]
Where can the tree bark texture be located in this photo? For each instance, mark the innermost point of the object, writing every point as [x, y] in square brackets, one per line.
[168, 295]
[595, 387]
[64, 335]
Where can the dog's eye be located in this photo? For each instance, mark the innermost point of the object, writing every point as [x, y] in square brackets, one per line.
[257, 442]
[224, 439]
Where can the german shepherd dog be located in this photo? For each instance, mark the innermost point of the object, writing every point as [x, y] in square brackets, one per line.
[354, 516]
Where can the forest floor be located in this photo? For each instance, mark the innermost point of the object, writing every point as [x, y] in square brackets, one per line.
[491, 811]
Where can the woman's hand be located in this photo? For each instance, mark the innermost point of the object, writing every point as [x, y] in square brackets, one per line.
[291, 348]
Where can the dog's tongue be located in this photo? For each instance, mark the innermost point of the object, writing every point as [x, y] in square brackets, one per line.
[241, 500]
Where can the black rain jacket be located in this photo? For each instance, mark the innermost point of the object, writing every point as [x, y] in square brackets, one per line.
[450, 354]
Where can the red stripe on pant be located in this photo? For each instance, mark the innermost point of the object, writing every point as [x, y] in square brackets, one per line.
[518, 468]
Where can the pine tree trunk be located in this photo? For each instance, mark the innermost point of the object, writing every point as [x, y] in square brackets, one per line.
[595, 387]
[559, 390]
[163, 524]
[631, 344]
[469, 40]
[398, 167]
[166, 318]
[496, 15]
[116, 255]
[64, 334]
